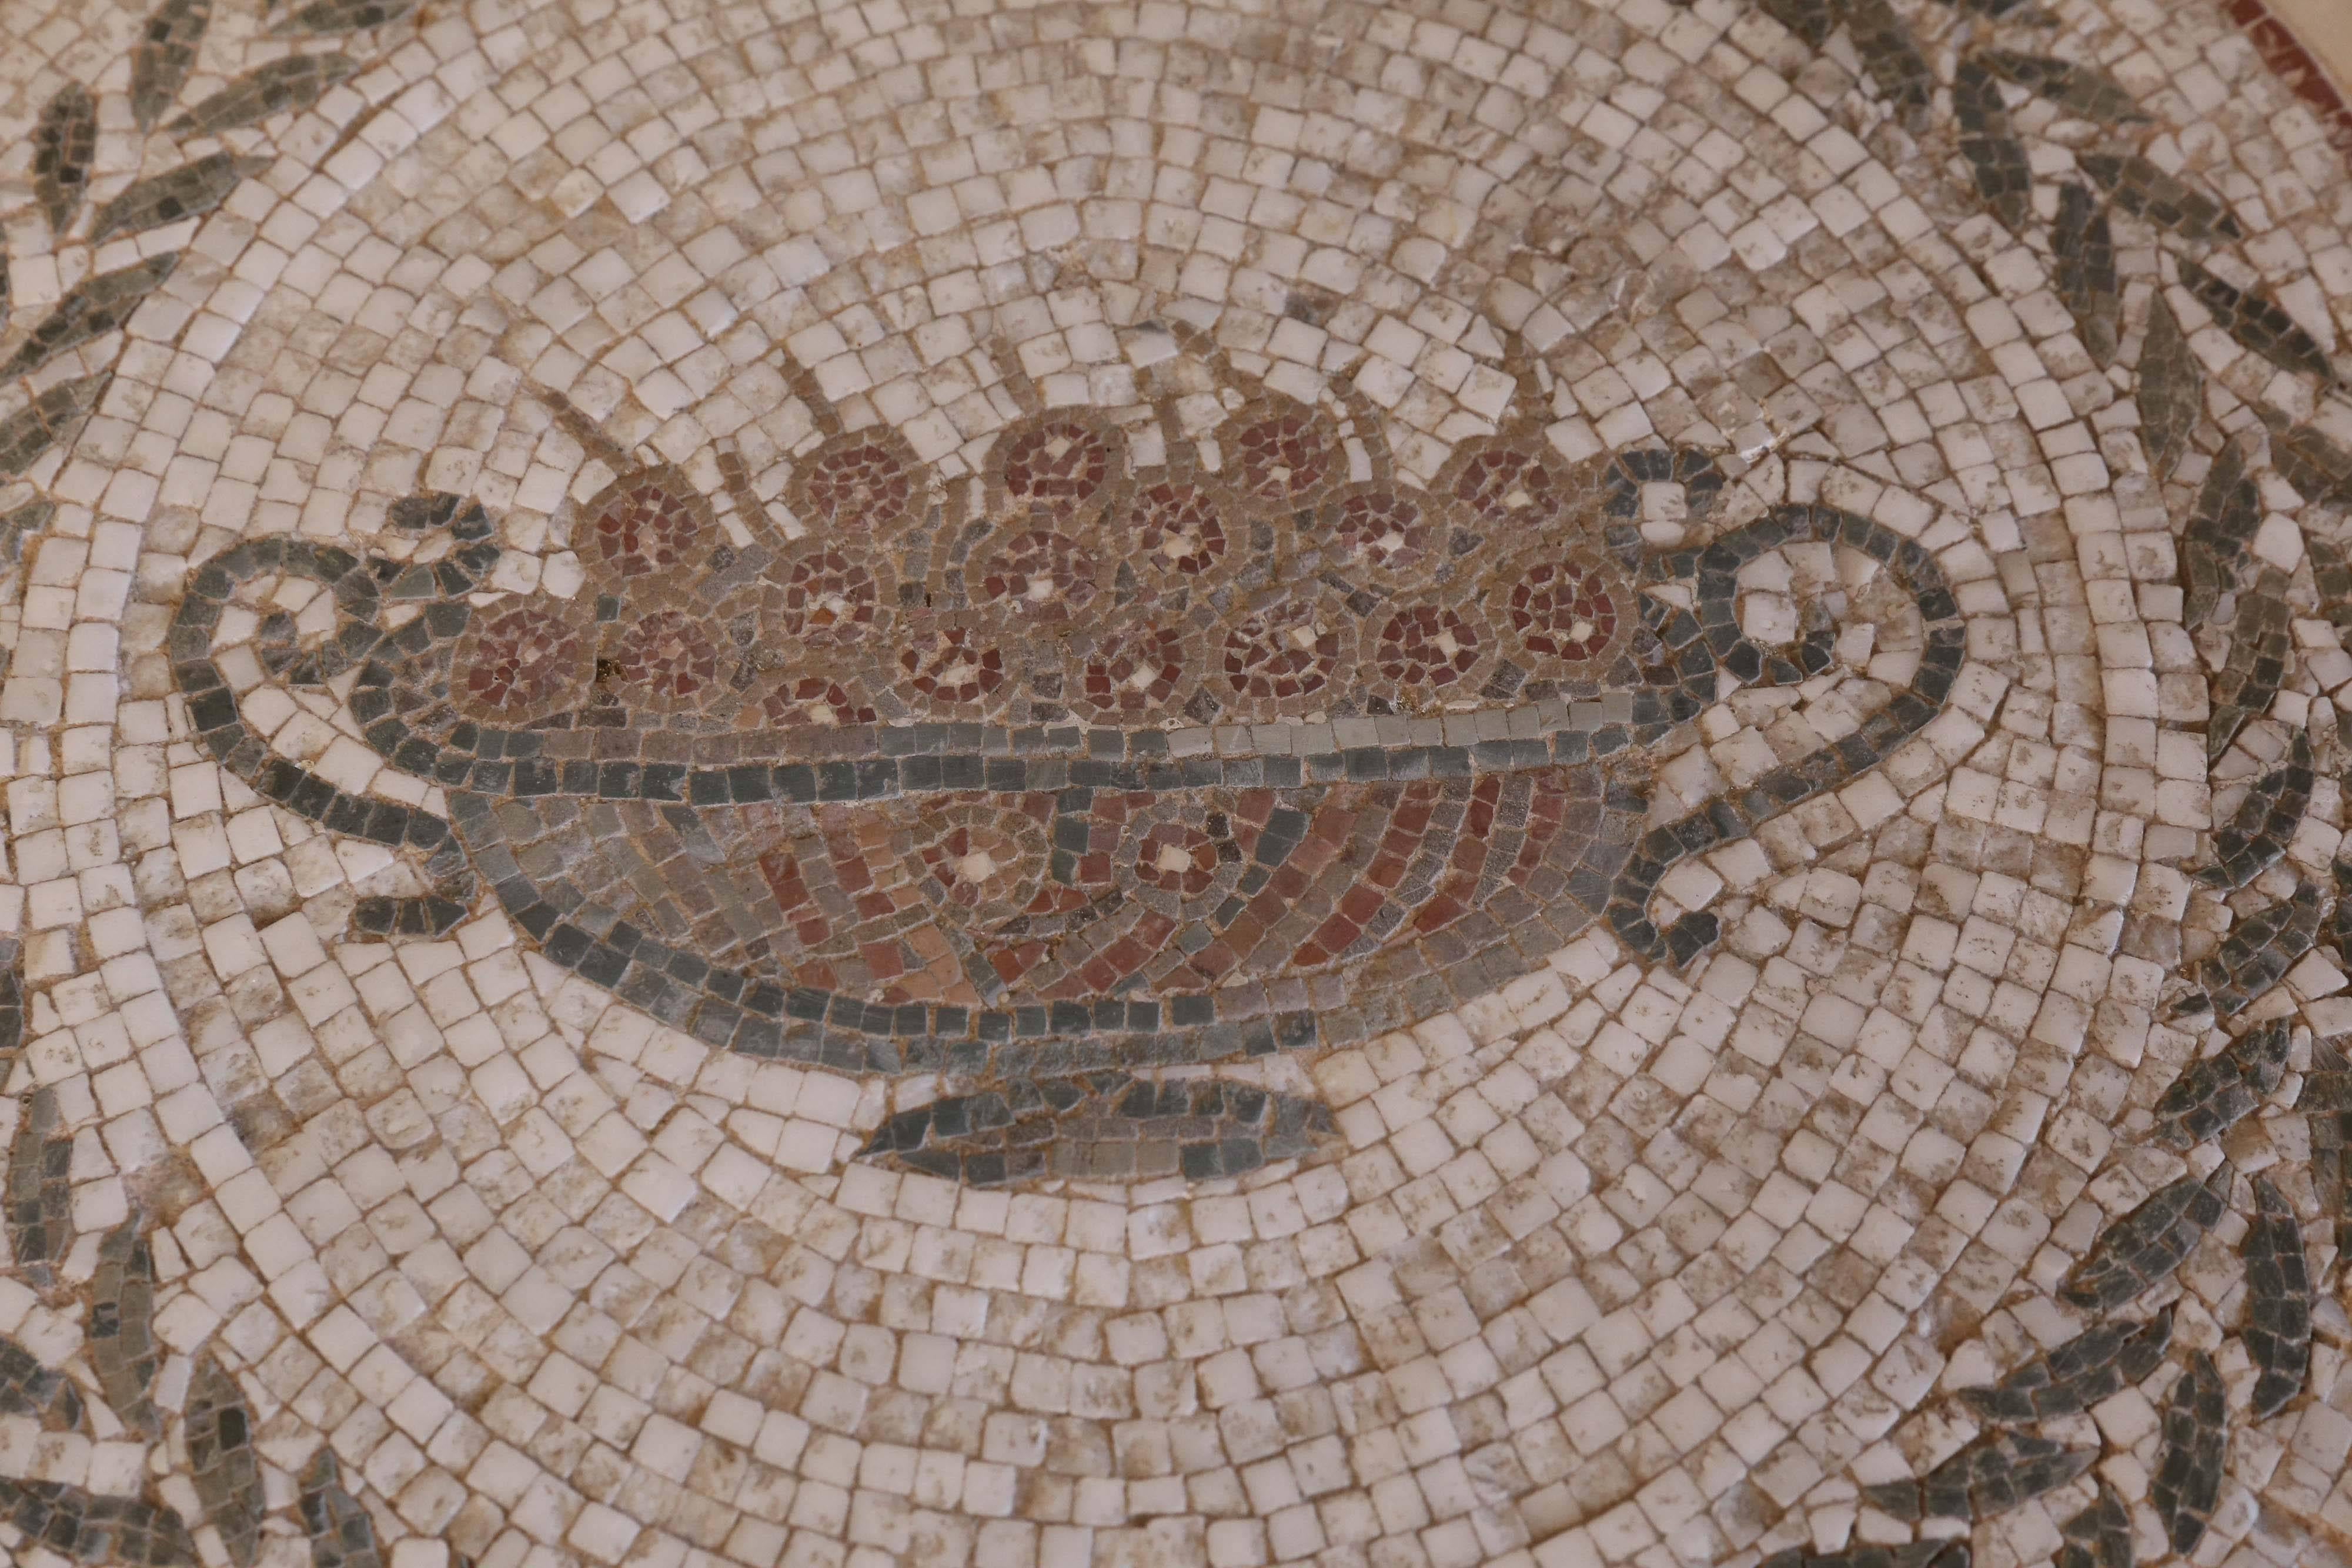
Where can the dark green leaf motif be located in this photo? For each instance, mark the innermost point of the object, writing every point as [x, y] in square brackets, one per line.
[282, 86]
[2171, 387]
[2081, 90]
[2257, 835]
[189, 191]
[2261, 649]
[18, 526]
[31, 516]
[344, 16]
[1948, 1553]
[2336, 930]
[46, 421]
[38, 1200]
[2136, 1251]
[2317, 467]
[2260, 950]
[2218, 542]
[120, 1333]
[2086, 252]
[2098, 1537]
[1890, 57]
[2218, 1093]
[2003, 176]
[2331, 574]
[165, 54]
[1990, 1475]
[2141, 188]
[341, 1533]
[2257, 322]
[64, 142]
[2090, 1367]
[1812, 20]
[92, 310]
[221, 1454]
[2277, 1330]
[1102, 1126]
[2326, 1106]
[28, 1389]
[2188, 1481]
[88, 1528]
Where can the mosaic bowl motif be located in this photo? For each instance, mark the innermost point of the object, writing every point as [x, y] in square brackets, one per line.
[1978, 1202]
[1070, 765]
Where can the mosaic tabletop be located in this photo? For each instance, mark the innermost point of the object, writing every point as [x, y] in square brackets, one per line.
[821, 785]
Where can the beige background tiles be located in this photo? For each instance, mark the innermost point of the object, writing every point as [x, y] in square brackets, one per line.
[1612, 1260]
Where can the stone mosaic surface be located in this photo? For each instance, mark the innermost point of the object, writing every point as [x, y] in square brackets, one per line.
[1393, 786]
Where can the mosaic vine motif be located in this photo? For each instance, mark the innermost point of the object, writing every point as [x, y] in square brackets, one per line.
[995, 888]
[211, 1425]
[2137, 1251]
[81, 1525]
